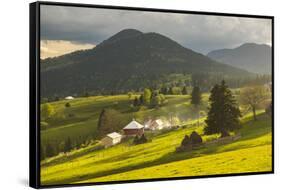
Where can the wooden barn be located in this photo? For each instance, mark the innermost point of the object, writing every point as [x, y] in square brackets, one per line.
[133, 128]
[111, 139]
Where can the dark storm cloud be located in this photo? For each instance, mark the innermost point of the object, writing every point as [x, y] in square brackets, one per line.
[198, 32]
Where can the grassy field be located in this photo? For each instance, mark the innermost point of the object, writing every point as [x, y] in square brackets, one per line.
[157, 159]
[79, 122]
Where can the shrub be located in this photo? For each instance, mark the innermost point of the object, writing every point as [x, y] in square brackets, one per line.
[195, 138]
[186, 141]
[67, 105]
[224, 134]
[136, 139]
[143, 139]
[140, 140]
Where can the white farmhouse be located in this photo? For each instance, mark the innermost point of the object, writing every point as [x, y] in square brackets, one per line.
[111, 139]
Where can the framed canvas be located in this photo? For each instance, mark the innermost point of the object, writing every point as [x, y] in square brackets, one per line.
[123, 94]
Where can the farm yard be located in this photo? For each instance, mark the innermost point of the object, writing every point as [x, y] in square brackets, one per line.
[156, 158]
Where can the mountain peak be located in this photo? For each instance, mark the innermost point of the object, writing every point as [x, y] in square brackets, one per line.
[129, 31]
[126, 33]
[251, 45]
[252, 57]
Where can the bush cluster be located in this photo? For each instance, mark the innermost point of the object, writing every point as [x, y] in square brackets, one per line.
[140, 140]
[189, 142]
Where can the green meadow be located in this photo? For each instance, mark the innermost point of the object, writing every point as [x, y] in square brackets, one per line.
[157, 158]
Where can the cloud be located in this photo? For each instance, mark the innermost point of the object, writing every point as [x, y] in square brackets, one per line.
[53, 48]
[201, 33]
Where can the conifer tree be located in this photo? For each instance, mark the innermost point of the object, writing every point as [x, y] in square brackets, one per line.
[196, 96]
[224, 113]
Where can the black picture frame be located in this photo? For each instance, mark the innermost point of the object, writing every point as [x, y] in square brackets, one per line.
[34, 93]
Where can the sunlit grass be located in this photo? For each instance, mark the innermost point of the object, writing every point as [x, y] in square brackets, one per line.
[157, 159]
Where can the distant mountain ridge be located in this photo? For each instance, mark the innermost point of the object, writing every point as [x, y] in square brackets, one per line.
[128, 60]
[252, 57]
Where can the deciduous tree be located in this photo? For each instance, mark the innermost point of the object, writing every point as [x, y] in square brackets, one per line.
[253, 96]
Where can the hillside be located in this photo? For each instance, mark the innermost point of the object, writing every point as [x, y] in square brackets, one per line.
[79, 122]
[252, 57]
[129, 60]
[157, 159]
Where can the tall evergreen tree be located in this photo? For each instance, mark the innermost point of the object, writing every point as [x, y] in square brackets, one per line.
[196, 96]
[224, 113]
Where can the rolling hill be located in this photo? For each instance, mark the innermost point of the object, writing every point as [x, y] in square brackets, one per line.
[252, 57]
[129, 60]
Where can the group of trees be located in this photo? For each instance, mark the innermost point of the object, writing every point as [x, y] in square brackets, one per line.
[149, 98]
[109, 121]
[50, 149]
[206, 80]
[224, 113]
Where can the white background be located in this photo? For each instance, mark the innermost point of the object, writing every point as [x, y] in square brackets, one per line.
[14, 77]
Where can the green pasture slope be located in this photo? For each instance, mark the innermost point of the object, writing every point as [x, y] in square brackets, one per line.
[157, 159]
[83, 124]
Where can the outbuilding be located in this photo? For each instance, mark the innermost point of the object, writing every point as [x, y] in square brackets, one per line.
[133, 128]
[111, 139]
[156, 124]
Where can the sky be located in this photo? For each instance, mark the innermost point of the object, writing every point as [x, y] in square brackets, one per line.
[67, 29]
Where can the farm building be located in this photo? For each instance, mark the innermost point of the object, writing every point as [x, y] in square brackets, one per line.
[111, 139]
[133, 128]
[156, 124]
[69, 98]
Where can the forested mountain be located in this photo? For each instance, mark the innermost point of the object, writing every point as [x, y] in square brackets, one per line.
[252, 57]
[129, 60]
